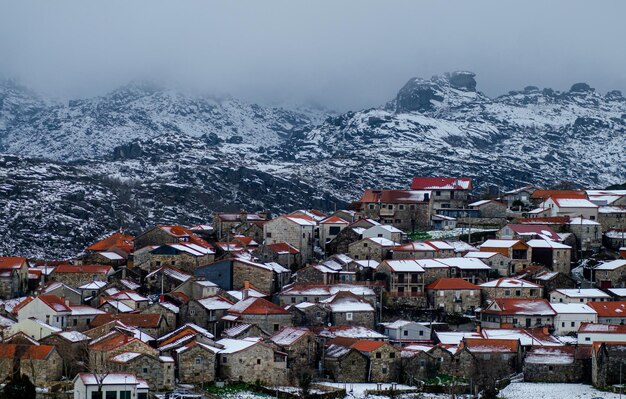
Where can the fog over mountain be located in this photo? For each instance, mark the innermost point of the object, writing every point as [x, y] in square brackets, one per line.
[341, 55]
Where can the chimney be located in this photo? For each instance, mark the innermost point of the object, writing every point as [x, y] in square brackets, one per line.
[243, 216]
[66, 301]
[245, 292]
[545, 330]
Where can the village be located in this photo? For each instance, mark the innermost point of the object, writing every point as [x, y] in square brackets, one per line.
[435, 288]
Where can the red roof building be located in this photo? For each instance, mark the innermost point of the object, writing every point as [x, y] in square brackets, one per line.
[452, 284]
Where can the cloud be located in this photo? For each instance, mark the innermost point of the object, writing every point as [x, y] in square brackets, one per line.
[341, 54]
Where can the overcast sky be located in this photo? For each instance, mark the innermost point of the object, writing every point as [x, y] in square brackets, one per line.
[341, 54]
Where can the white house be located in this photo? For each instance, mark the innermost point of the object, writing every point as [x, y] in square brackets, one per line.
[114, 385]
[569, 317]
[571, 207]
[385, 231]
[34, 328]
[578, 295]
[48, 308]
[406, 331]
[330, 228]
[588, 333]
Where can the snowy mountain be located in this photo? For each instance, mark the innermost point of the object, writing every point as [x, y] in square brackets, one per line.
[143, 154]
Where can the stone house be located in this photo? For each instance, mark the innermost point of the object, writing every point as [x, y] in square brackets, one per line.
[345, 364]
[317, 274]
[514, 313]
[526, 232]
[196, 362]
[245, 330]
[453, 295]
[251, 361]
[169, 343]
[447, 192]
[521, 194]
[298, 231]
[268, 316]
[130, 298]
[383, 360]
[196, 289]
[495, 260]
[111, 344]
[153, 324]
[309, 314]
[506, 354]
[119, 243]
[72, 347]
[443, 222]
[340, 244]
[489, 209]
[103, 258]
[71, 295]
[185, 256]
[588, 233]
[418, 364]
[303, 292]
[91, 291]
[347, 309]
[508, 287]
[165, 279]
[13, 276]
[168, 310]
[228, 224]
[444, 358]
[578, 295]
[553, 364]
[517, 251]
[48, 308]
[77, 275]
[402, 277]
[157, 371]
[41, 363]
[610, 274]
[234, 274]
[473, 270]
[433, 270]
[552, 254]
[445, 249]
[607, 360]
[168, 234]
[548, 279]
[206, 312]
[407, 210]
[330, 228]
[299, 345]
[282, 253]
[612, 217]
[414, 250]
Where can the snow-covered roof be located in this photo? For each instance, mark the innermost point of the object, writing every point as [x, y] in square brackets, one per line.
[550, 356]
[93, 285]
[373, 264]
[108, 379]
[479, 203]
[583, 292]
[404, 265]
[499, 243]
[574, 203]
[509, 282]
[74, 336]
[621, 292]
[232, 345]
[111, 255]
[315, 289]
[480, 254]
[301, 221]
[572, 308]
[288, 335]
[612, 265]
[125, 357]
[215, 303]
[382, 241]
[537, 243]
[397, 324]
[465, 263]
[586, 222]
[347, 302]
[612, 209]
[455, 338]
[84, 310]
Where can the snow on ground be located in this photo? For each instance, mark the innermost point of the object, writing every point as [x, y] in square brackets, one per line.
[357, 391]
[527, 390]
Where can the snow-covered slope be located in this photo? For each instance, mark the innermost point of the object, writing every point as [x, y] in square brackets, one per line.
[142, 154]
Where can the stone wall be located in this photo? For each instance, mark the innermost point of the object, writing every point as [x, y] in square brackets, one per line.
[352, 367]
[196, 365]
[451, 303]
[270, 323]
[563, 373]
[366, 319]
[261, 278]
[384, 364]
[254, 364]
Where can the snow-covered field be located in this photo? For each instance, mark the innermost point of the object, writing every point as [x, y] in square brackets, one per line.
[528, 390]
[357, 391]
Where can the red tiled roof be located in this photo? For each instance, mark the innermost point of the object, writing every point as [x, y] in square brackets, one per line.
[452, 284]
[342, 341]
[545, 194]
[444, 183]
[490, 345]
[118, 240]
[35, 352]
[145, 320]
[244, 240]
[256, 306]
[90, 269]
[12, 262]
[392, 196]
[602, 328]
[367, 345]
[334, 220]
[55, 303]
[534, 229]
[180, 232]
[282, 247]
[609, 309]
[114, 340]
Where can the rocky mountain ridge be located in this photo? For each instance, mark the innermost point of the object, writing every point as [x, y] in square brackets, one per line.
[142, 154]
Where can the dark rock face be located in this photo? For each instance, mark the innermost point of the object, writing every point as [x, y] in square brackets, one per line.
[580, 88]
[416, 95]
[463, 80]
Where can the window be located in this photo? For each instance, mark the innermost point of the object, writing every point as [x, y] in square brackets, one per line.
[145, 370]
[587, 338]
[110, 395]
[224, 359]
[349, 316]
[198, 360]
[412, 207]
[143, 395]
[158, 263]
[293, 299]
[334, 230]
[268, 235]
[573, 324]
[518, 293]
[437, 193]
[563, 324]
[398, 220]
[124, 394]
[405, 333]
[392, 355]
[258, 361]
[276, 327]
[379, 355]
[507, 292]
[401, 207]
[372, 206]
[384, 370]
[364, 245]
[400, 278]
[75, 322]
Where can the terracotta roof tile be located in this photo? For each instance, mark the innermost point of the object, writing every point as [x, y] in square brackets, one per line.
[452, 284]
[90, 269]
[609, 309]
[145, 320]
[366, 345]
[12, 262]
[116, 240]
[35, 352]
